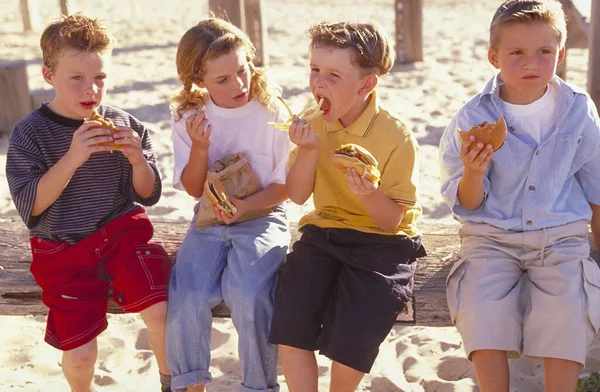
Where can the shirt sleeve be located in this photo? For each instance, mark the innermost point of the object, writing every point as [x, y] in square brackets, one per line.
[24, 169]
[150, 155]
[182, 145]
[588, 175]
[400, 178]
[281, 150]
[452, 168]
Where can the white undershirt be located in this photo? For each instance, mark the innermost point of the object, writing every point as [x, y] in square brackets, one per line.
[537, 119]
[242, 129]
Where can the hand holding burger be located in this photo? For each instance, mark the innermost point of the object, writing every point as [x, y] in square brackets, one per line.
[356, 157]
[106, 124]
[485, 133]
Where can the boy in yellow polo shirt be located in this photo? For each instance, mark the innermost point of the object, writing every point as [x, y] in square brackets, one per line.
[351, 273]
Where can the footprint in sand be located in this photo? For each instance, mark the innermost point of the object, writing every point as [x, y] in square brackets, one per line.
[103, 380]
[455, 369]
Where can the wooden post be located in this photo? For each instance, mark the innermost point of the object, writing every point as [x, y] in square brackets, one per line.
[594, 54]
[231, 10]
[257, 30]
[14, 94]
[64, 7]
[29, 13]
[409, 30]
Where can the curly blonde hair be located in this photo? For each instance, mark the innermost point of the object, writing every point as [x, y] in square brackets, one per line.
[74, 32]
[549, 12]
[370, 44]
[207, 40]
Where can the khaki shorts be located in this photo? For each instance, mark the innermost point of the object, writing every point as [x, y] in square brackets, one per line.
[528, 293]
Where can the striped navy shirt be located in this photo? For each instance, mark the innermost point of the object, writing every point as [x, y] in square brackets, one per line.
[99, 191]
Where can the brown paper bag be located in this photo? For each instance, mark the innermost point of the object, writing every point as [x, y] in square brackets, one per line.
[240, 181]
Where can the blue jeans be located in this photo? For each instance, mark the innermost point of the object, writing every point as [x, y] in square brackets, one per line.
[237, 264]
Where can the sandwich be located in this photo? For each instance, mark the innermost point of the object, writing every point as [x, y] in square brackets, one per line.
[216, 193]
[353, 155]
[485, 133]
[95, 116]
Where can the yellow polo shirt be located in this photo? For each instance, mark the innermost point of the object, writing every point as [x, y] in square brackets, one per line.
[396, 151]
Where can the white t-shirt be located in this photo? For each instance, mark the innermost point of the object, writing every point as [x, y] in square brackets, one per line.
[537, 118]
[242, 129]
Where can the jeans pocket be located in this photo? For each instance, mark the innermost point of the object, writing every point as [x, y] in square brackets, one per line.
[453, 287]
[591, 288]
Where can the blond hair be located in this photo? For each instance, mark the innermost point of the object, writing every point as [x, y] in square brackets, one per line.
[370, 45]
[207, 40]
[549, 12]
[74, 32]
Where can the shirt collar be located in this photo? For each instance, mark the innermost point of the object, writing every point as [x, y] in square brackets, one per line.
[566, 92]
[363, 124]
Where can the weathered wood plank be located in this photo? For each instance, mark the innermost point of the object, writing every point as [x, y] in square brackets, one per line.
[15, 101]
[231, 10]
[19, 295]
[409, 30]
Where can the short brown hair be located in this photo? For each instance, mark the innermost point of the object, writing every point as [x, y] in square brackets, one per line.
[74, 32]
[371, 46]
[549, 12]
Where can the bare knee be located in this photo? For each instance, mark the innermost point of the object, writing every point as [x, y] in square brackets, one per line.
[82, 357]
[155, 316]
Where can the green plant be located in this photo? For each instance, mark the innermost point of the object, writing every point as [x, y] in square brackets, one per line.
[591, 383]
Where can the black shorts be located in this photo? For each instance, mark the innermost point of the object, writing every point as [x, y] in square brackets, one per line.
[340, 292]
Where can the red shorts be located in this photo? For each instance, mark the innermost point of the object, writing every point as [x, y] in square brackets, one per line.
[75, 278]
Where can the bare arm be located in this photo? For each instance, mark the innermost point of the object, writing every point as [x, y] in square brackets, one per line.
[301, 177]
[384, 211]
[194, 173]
[271, 196]
[595, 224]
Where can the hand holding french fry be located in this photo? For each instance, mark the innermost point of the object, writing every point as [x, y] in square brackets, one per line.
[302, 134]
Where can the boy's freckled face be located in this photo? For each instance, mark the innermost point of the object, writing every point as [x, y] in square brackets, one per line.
[335, 78]
[79, 82]
[227, 79]
[527, 55]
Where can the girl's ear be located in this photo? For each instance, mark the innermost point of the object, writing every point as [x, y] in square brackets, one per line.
[369, 83]
[47, 74]
[199, 83]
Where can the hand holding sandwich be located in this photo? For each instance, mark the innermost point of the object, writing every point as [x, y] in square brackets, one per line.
[240, 208]
[86, 141]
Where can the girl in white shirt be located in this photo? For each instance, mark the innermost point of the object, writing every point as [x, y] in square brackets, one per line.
[222, 109]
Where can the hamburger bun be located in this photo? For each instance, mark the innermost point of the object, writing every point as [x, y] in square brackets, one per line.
[95, 116]
[216, 193]
[485, 133]
[357, 157]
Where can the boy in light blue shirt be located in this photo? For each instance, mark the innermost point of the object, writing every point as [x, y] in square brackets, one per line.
[524, 283]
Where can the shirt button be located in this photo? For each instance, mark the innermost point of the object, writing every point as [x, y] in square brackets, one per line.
[531, 188]
[529, 222]
[537, 152]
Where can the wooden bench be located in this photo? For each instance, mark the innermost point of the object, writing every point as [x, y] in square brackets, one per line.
[19, 295]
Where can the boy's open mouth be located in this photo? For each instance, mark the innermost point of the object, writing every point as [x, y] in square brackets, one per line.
[326, 105]
[88, 104]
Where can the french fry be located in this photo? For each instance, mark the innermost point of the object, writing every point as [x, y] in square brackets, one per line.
[308, 113]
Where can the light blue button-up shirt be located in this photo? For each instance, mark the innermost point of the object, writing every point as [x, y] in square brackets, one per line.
[529, 186]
